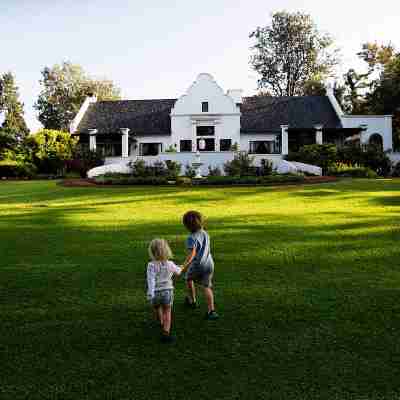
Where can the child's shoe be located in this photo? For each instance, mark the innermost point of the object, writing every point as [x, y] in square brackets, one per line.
[212, 315]
[168, 338]
[190, 304]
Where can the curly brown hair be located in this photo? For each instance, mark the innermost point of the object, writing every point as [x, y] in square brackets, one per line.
[193, 221]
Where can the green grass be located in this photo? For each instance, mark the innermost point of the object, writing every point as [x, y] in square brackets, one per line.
[307, 284]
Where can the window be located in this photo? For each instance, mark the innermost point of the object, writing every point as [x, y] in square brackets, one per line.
[150, 149]
[204, 106]
[262, 147]
[210, 144]
[225, 144]
[205, 130]
[185, 145]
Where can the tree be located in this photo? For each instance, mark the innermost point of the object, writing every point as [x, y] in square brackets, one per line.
[384, 98]
[358, 86]
[291, 52]
[64, 89]
[14, 124]
[51, 149]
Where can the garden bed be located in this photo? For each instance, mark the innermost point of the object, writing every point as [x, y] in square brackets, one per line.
[284, 180]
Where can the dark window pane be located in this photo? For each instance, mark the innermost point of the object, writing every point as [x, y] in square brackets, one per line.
[205, 130]
[185, 145]
[225, 144]
[150, 149]
[264, 147]
[210, 144]
[204, 106]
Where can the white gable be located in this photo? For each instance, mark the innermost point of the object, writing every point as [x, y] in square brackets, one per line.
[205, 89]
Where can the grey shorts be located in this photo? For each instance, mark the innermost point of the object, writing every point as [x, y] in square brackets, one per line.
[163, 297]
[201, 274]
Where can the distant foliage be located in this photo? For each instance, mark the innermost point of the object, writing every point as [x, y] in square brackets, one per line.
[64, 89]
[349, 170]
[367, 156]
[322, 155]
[14, 124]
[51, 149]
[169, 169]
[214, 171]
[241, 165]
[84, 160]
[291, 55]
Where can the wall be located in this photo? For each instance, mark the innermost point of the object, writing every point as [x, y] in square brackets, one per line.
[381, 124]
[222, 113]
[213, 159]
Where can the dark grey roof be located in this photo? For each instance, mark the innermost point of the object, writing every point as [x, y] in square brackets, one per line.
[265, 113]
[140, 116]
[259, 114]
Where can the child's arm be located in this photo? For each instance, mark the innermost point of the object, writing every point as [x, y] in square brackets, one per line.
[151, 281]
[189, 259]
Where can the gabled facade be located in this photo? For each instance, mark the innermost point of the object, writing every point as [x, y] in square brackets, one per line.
[217, 123]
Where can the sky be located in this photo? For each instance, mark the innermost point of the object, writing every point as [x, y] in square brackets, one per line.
[156, 48]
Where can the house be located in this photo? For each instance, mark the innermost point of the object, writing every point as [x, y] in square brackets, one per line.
[207, 120]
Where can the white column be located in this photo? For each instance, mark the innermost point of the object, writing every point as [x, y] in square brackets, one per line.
[194, 136]
[92, 139]
[285, 140]
[318, 134]
[363, 134]
[125, 142]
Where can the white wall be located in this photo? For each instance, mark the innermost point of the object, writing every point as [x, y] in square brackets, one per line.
[381, 124]
[223, 113]
[213, 159]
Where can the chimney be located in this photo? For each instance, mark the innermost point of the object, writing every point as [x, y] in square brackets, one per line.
[236, 95]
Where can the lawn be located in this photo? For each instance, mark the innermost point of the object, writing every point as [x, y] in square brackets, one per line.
[307, 285]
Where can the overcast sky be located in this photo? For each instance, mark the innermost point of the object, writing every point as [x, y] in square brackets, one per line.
[156, 48]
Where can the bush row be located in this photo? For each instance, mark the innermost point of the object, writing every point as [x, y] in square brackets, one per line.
[16, 169]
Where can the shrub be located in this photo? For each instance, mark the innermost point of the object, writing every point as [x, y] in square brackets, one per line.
[173, 168]
[190, 171]
[251, 180]
[368, 156]
[122, 179]
[396, 170]
[322, 155]
[214, 171]
[241, 165]
[84, 160]
[355, 171]
[267, 167]
[17, 169]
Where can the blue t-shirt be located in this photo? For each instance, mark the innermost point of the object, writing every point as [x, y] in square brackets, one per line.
[201, 242]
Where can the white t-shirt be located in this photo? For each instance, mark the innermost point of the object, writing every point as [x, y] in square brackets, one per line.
[159, 276]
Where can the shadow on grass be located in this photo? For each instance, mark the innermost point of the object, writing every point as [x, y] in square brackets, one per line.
[309, 308]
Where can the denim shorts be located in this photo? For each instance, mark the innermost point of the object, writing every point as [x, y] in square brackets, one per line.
[201, 274]
[163, 297]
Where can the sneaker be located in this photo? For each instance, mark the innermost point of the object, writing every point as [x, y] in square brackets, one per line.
[212, 315]
[168, 339]
[190, 304]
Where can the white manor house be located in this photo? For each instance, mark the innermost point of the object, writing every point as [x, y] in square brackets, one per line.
[217, 124]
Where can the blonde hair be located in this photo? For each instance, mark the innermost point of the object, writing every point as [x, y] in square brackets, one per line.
[159, 250]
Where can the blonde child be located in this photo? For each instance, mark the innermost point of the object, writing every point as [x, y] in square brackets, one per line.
[160, 287]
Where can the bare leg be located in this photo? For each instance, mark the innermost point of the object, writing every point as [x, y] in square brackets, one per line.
[209, 295]
[191, 291]
[166, 310]
[158, 314]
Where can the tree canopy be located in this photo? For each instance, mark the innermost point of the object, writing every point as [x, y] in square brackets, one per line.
[64, 89]
[290, 53]
[14, 124]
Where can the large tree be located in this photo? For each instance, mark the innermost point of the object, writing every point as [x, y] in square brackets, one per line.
[64, 88]
[13, 124]
[290, 53]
